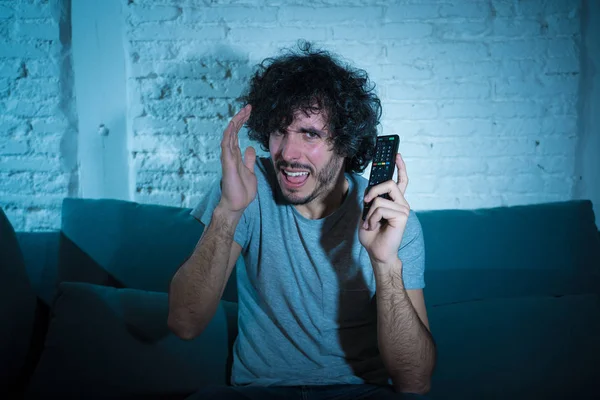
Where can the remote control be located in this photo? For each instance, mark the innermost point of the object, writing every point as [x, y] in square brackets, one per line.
[383, 165]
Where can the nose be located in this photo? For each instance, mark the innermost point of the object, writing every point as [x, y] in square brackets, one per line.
[290, 148]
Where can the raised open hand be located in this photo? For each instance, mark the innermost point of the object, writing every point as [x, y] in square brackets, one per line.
[238, 184]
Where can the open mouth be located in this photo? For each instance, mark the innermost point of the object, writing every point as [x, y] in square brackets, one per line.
[294, 179]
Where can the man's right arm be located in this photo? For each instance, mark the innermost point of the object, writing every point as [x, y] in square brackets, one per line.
[197, 287]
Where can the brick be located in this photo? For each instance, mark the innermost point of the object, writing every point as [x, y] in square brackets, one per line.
[28, 164]
[518, 49]
[555, 164]
[39, 10]
[447, 128]
[550, 86]
[410, 110]
[510, 165]
[435, 51]
[351, 33]
[213, 127]
[563, 47]
[412, 11]
[561, 107]
[533, 8]
[466, 10]
[558, 184]
[13, 146]
[503, 8]
[287, 34]
[559, 124]
[403, 72]
[562, 66]
[51, 183]
[21, 50]
[200, 88]
[9, 68]
[48, 145]
[457, 166]
[252, 15]
[139, 14]
[43, 68]
[330, 15]
[173, 31]
[207, 161]
[6, 12]
[27, 200]
[43, 220]
[160, 162]
[37, 89]
[401, 31]
[462, 30]
[521, 68]
[563, 25]
[15, 182]
[516, 28]
[557, 145]
[151, 124]
[451, 69]
[490, 109]
[54, 124]
[46, 108]
[48, 30]
[147, 51]
[439, 90]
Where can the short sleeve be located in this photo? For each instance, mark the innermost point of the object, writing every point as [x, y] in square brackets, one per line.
[412, 254]
[204, 210]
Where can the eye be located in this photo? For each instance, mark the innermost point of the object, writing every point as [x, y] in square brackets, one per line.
[312, 135]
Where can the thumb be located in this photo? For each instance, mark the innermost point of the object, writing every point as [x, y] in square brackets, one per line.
[250, 158]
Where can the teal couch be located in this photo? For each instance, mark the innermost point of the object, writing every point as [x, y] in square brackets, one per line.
[512, 294]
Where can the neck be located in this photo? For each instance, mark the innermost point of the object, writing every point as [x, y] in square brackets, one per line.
[321, 207]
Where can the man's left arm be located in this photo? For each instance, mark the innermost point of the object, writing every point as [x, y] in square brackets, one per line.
[405, 342]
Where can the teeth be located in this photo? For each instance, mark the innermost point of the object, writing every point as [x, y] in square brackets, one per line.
[295, 173]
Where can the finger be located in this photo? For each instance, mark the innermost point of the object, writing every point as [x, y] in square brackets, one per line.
[382, 202]
[389, 187]
[235, 124]
[250, 158]
[402, 180]
[389, 214]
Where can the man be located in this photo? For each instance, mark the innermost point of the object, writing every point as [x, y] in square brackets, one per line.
[329, 306]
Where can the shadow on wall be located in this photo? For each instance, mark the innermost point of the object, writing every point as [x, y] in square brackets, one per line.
[184, 107]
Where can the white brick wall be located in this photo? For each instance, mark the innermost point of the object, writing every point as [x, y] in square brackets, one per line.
[37, 149]
[483, 93]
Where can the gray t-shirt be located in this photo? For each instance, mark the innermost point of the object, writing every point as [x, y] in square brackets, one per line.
[307, 312]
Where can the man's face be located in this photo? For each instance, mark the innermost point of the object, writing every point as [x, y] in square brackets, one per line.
[305, 164]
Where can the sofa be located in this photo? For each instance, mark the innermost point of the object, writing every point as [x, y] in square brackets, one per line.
[512, 296]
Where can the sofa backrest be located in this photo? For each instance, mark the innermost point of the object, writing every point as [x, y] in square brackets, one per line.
[542, 249]
[125, 244]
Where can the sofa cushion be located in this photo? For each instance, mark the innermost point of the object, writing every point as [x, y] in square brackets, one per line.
[126, 244]
[17, 309]
[517, 348]
[558, 236]
[538, 249]
[105, 342]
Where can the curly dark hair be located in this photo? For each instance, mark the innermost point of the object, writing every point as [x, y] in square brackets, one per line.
[311, 81]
